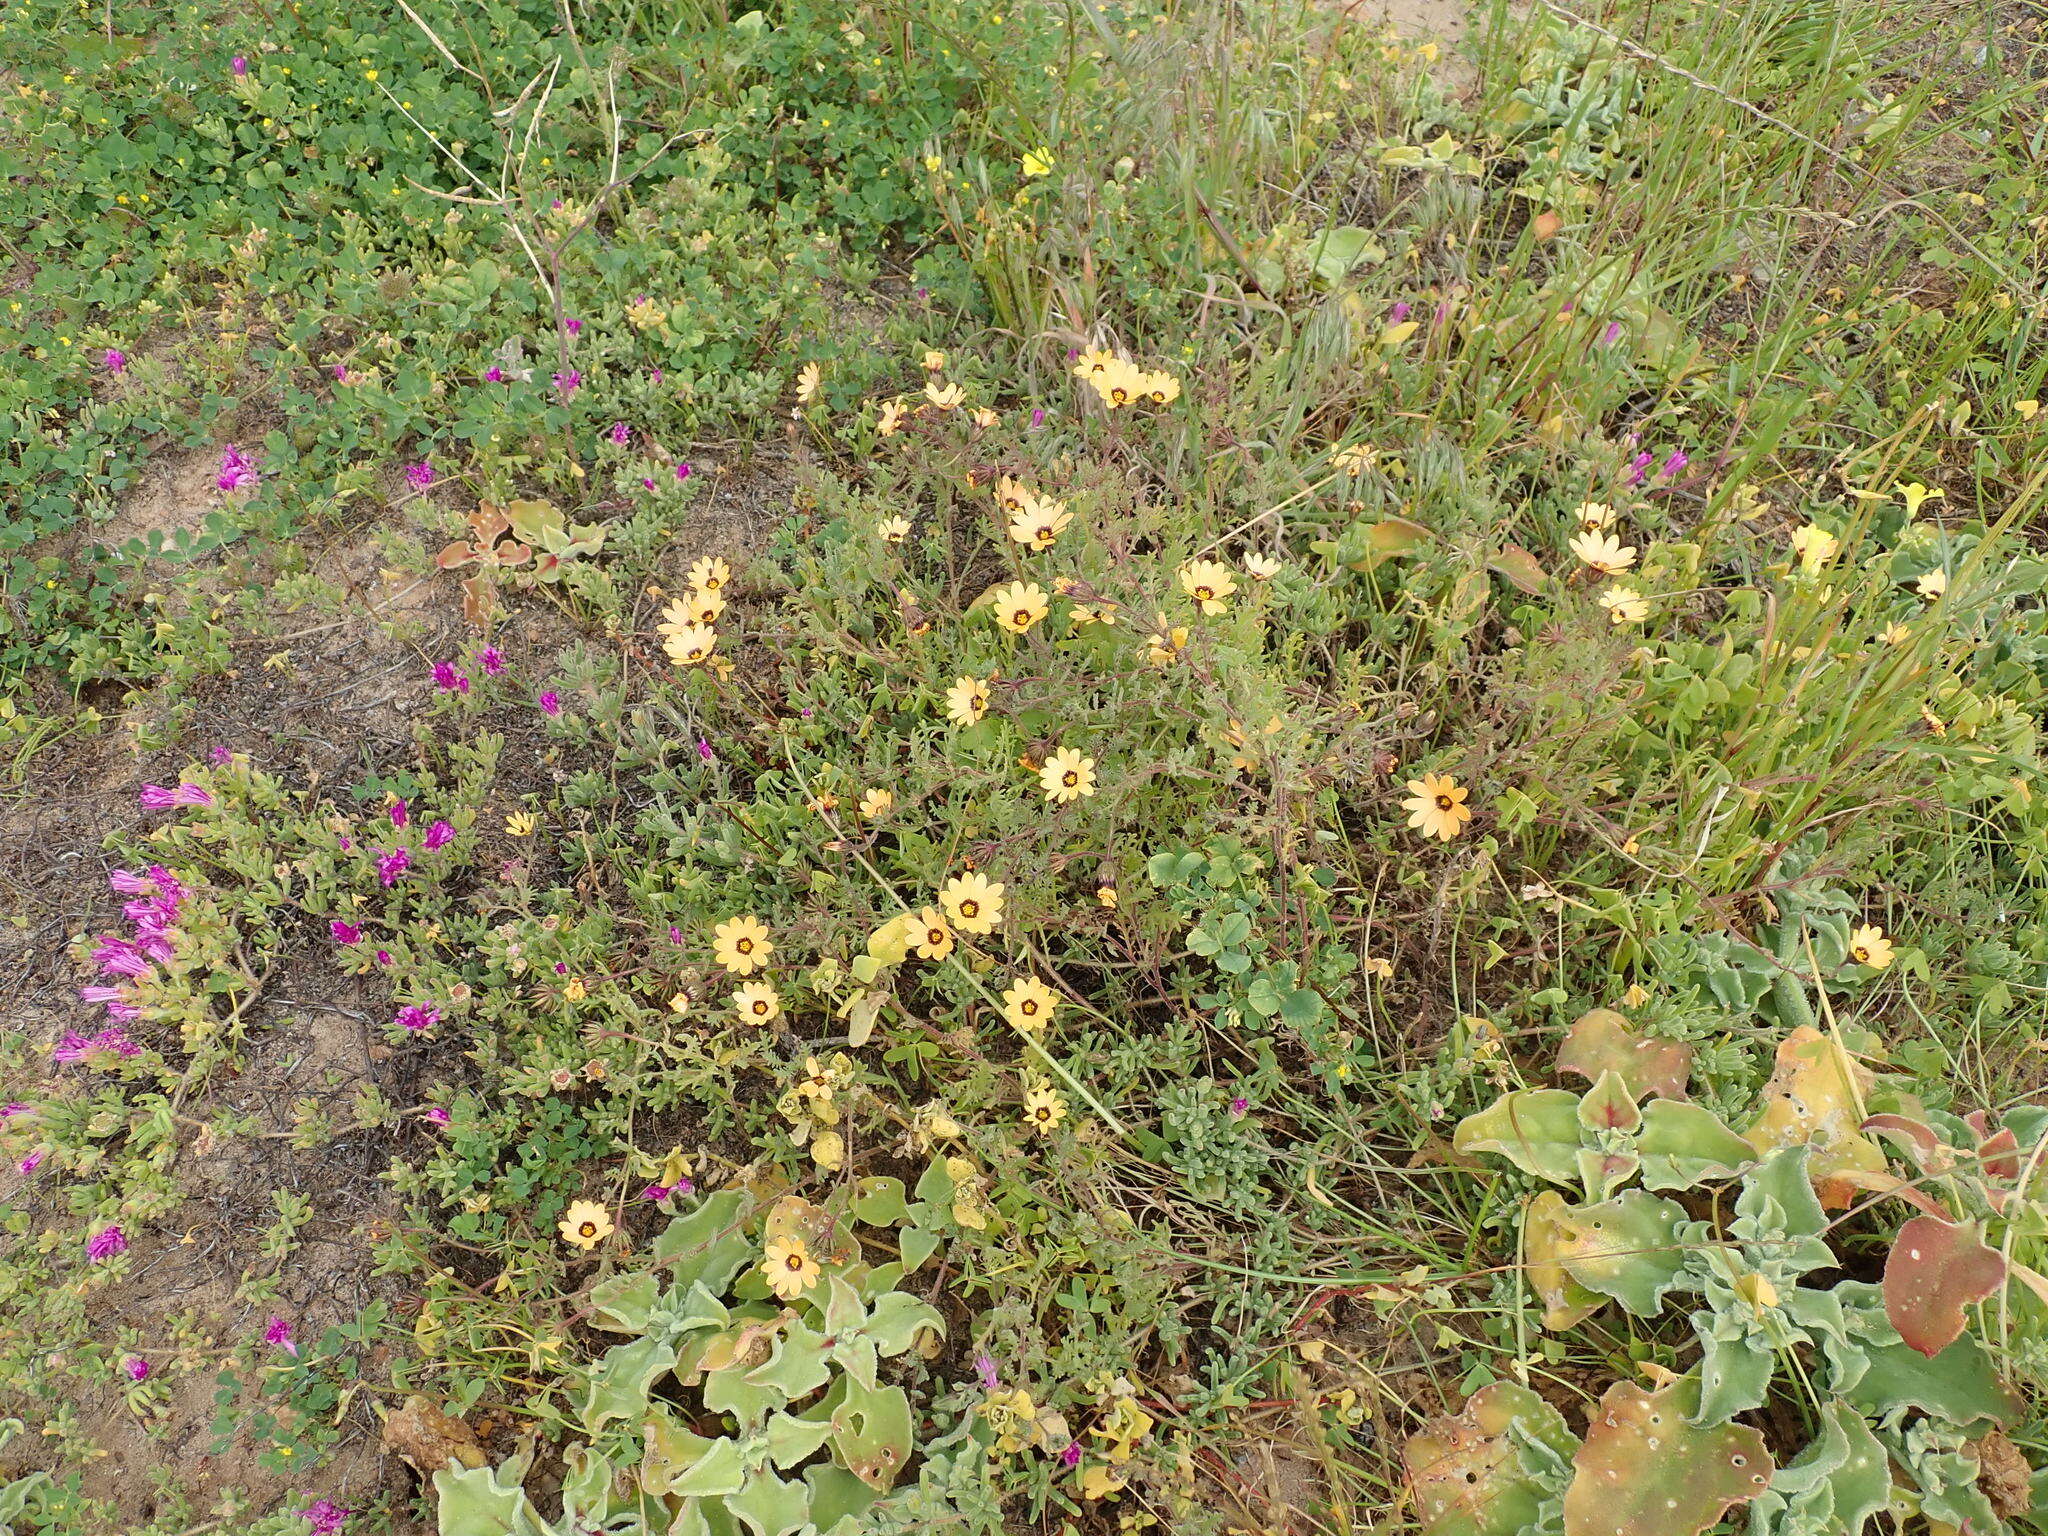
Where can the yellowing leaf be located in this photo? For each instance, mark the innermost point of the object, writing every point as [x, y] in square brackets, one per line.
[1816, 1097]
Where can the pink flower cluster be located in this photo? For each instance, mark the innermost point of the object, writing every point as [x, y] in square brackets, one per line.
[153, 914]
[238, 471]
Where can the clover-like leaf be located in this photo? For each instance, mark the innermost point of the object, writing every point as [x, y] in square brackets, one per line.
[1536, 1129]
[1645, 1470]
[1469, 1471]
[1601, 1041]
[1815, 1098]
[1937, 1268]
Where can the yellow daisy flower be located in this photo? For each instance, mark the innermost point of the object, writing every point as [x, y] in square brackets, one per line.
[1933, 584]
[1208, 582]
[876, 804]
[1118, 384]
[758, 1003]
[1028, 1003]
[1017, 606]
[1094, 362]
[1012, 494]
[690, 644]
[967, 700]
[1044, 1109]
[891, 420]
[1436, 806]
[789, 1268]
[585, 1224]
[1159, 388]
[741, 945]
[934, 361]
[893, 530]
[931, 937]
[680, 1004]
[1163, 647]
[1067, 776]
[944, 396]
[1624, 604]
[1594, 517]
[1604, 553]
[807, 379]
[1261, 567]
[709, 574]
[1040, 521]
[701, 607]
[973, 902]
[1868, 946]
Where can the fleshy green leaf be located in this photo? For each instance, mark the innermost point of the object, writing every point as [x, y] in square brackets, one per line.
[620, 1383]
[1469, 1471]
[1645, 1470]
[1536, 1129]
[1683, 1144]
[1626, 1248]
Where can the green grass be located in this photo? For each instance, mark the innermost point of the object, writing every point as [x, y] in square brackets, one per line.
[1737, 274]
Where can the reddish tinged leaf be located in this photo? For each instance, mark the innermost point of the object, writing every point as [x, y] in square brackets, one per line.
[1936, 1269]
[1919, 1140]
[1518, 566]
[1601, 1041]
[2000, 1155]
[1645, 1470]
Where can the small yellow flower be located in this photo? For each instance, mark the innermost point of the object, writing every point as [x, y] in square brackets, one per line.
[1868, 946]
[1017, 606]
[680, 1004]
[1354, 457]
[522, 824]
[1028, 1003]
[1594, 517]
[1044, 1109]
[1012, 495]
[973, 902]
[1118, 384]
[984, 418]
[1378, 966]
[1624, 604]
[1933, 584]
[1604, 553]
[1165, 644]
[1040, 521]
[1037, 162]
[1814, 546]
[690, 645]
[931, 937]
[789, 1268]
[1261, 567]
[807, 380]
[1915, 495]
[934, 361]
[1209, 583]
[1094, 362]
[1436, 806]
[944, 396]
[585, 1225]
[2026, 408]
[575, 989]
[1894, 633]
[967, 700]
[893, 530]
[741, 945]
[709, 575]
[758, 1003]
[891, 420]
[1158, 388]
[1067, 776]
[876, 804]
[828, 1151]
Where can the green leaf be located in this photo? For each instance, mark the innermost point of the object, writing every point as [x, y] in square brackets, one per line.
[769, 1506]
[791, 1440]
[1609, 1107]
[796, 1366]
[1626, 1248]
[707, 1244]
[1960, 1384]
[870, 1431]
[1683, 1144]
[1831, 1488]
[719, 1470]
[621, 1303]
[1536, 1129]
[619, 1386]
[880, 1202]
[485, 1501]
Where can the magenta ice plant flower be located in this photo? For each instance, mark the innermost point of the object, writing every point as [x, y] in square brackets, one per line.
[325, 1517]
[237, 470]
[621, 433]
[154, 797]
[491, 659]
[401, 813]
[116, 360]
[105, 1243]
[135, 1368]
[415, 1020]
[448, 680]
[421, 475]
[279, 1332]
[344, 933]
[31, 1163]
[437, 1115]
[440, 835]
[551, 703]
[393, 864]
[568, 381]
[239, 65]
[494, 375]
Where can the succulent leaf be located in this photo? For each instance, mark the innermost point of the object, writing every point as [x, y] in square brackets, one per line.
[1684, 1144]
[1601, 1041]
[1473, 1472]
[1831, 1488]
[1935, 1270]
[1815, 1098]
[1536, 1129]
[1645, 1470]
[1625, 1248]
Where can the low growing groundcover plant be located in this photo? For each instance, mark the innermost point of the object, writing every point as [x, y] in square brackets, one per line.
[836, 770]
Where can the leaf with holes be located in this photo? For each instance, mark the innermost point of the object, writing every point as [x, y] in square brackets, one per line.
[1936, 1269]
[1815, 1098]
[1645, 1471]
[1626, 1248]
[1480, 1472]
[1546, 1238]
[1601, 1041]
[1536, 1129]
